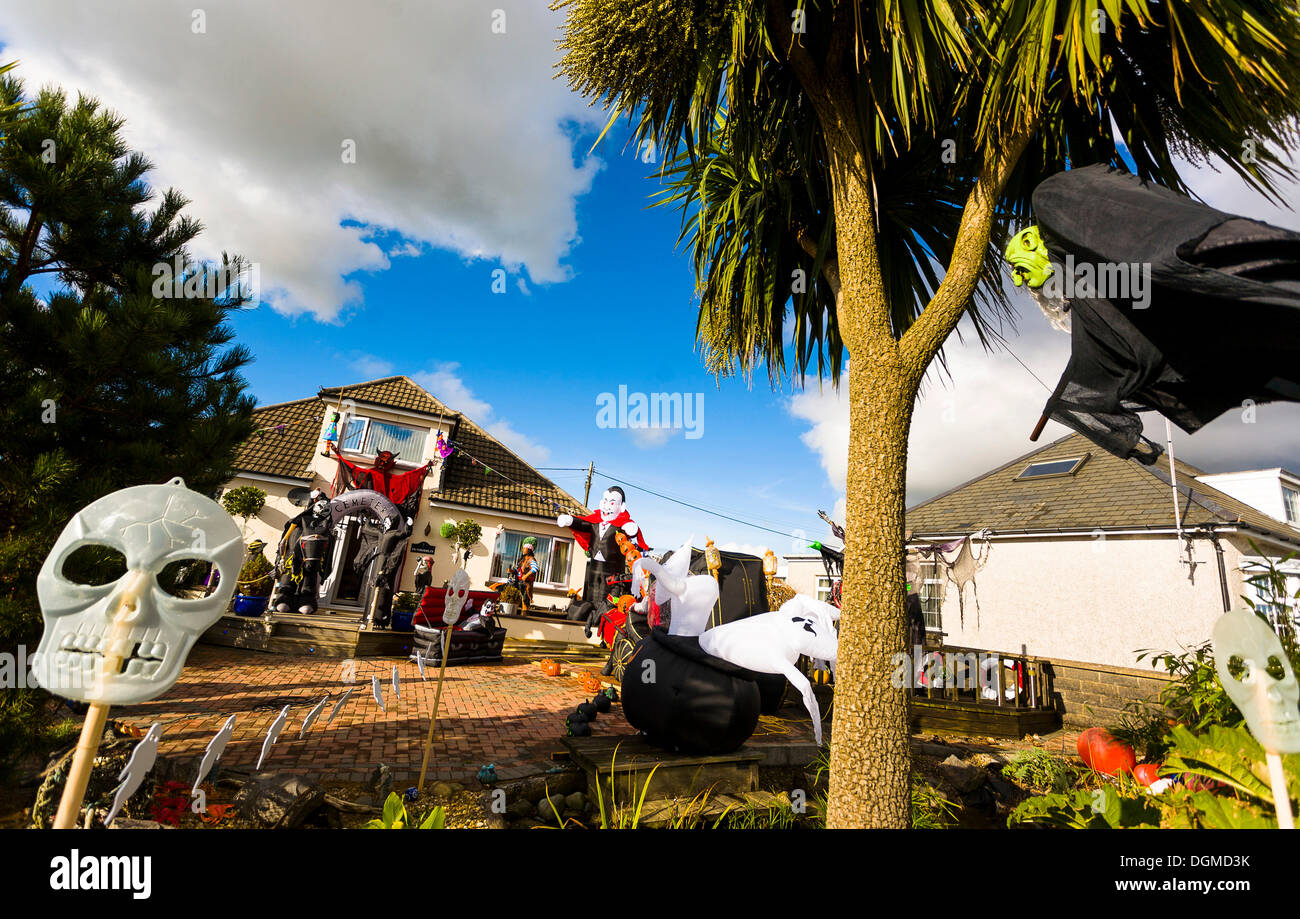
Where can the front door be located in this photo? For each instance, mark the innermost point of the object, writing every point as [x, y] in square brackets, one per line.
[348, 588]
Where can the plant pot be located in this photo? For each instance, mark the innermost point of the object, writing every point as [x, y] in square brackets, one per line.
[250, 606]
[509, 609]
[402, 620]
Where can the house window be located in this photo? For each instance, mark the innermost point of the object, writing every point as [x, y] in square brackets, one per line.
[1291, 501]
[1049, 468]
[824, 588]
[368, 437]
[932, 590]
[552, 556]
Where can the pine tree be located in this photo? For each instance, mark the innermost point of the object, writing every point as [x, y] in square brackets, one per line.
[107, 383]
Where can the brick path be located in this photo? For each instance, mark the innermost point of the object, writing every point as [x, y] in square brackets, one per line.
[509, 714]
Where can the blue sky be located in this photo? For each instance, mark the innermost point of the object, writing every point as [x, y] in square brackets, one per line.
[471, 157]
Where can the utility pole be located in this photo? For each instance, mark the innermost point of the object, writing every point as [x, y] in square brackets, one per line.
[586, 494]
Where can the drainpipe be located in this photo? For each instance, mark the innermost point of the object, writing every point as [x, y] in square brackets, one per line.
[1223, 572]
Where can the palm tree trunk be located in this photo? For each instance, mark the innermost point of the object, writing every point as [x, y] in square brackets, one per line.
[870, 756]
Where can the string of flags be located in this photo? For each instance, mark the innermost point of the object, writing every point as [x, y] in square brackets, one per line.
[281, 428]
[145, 753]
[446, 448]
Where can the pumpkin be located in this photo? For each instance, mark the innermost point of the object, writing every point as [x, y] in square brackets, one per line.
[1102, 752]
[591, 684]
[588, 711]
[1147, 774]
[551, 667]
[601, 701]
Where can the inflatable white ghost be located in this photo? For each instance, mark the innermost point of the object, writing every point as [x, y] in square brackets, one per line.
[693, 596]
[772, 643]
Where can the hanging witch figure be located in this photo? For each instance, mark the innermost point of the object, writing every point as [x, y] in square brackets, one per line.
[607, 573]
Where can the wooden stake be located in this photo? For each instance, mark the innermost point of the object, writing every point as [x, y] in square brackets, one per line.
[437, 697]
[1281, 797]
[92, 729]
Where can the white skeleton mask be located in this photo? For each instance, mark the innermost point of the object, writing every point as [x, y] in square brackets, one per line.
[457, 593]
[132, 621]
[1245, 650]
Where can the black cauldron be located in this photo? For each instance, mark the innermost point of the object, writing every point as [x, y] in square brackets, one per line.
[687, 700]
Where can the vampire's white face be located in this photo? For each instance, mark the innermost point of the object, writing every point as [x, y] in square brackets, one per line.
[611, 505]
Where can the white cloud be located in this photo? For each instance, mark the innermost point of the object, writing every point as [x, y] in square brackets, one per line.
[463, 139]
[368, 365]
[444, 382]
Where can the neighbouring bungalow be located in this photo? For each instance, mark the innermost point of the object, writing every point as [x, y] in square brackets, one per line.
[1085, 567]
[395, 414]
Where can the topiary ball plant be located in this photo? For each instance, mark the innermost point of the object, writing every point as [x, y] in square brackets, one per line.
[245, 502]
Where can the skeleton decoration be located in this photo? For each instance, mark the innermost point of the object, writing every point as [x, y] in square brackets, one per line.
[216, 746]
[126, 642]
[378, 693]
[693, 596]
[457, 591]
[137, 767]
[397, 686]
[1257, 676]
[338, 706]
[273, 734]
[772, 643]
[313, 715]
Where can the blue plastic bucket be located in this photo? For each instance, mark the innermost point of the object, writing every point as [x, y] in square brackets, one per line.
[402, 620]
[250, 606]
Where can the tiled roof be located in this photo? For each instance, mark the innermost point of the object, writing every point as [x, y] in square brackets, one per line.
[1105, 492]
[465, 483]
[287, 452]
[393, 392]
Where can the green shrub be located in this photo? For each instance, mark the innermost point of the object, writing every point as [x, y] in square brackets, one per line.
[1039, 769]
[256, 577]
[245, 502]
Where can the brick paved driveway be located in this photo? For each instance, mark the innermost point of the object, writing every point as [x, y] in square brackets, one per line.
[508, 713]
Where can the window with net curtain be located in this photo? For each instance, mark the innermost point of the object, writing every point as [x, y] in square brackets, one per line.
[368, 436]
[552, 556]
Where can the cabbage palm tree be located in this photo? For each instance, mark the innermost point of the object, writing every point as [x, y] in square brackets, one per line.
[849, 168]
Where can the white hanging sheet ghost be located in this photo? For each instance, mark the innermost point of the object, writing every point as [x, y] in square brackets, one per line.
[693, 596]
[143, 756]
[272, 734]
[216, 746]
[772, 643]
[397, 685]
[126, 641]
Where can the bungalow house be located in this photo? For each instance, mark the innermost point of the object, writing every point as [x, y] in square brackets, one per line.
[482, 480]
[1082, 563]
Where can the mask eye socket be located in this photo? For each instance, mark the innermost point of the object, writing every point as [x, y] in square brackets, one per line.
[93, 565]
[1275, 668]
[1240, 669]
[183, 578]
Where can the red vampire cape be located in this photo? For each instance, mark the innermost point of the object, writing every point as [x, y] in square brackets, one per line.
[584, 539]
[402, 488]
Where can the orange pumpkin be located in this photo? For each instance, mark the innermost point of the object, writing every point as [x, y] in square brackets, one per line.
[550, 667]
[1102, 752]
[591, 684]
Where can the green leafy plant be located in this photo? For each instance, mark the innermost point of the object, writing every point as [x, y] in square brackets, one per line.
[1228, 756]
[930, 810]
[447, 530]
[256, 577]
[396, 817]
[405, 601]
[511, 594]
[468, 533]
[244, 502]
[1041, 770]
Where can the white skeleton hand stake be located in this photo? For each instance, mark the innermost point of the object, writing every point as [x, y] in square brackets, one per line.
[457, 594]
[772, 643]
[126, 641]
[1247, 655]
